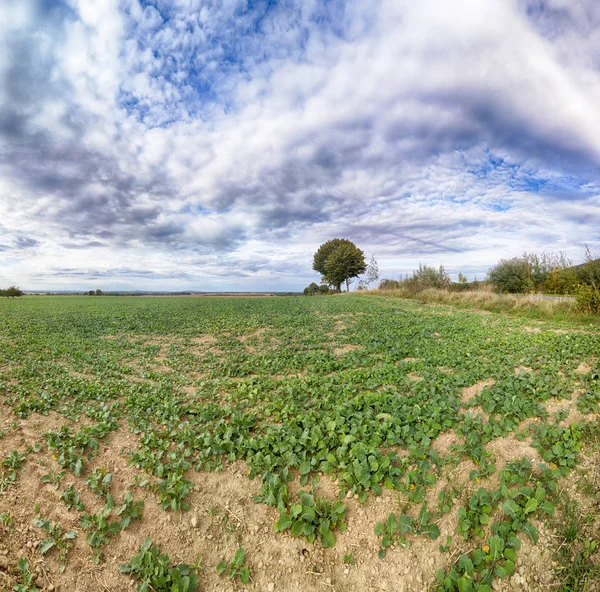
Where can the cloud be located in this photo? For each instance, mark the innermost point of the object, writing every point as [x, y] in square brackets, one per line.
[219, 143]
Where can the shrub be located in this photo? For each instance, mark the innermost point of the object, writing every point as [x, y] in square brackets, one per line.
[511, 275]
[588, 299]
[387, 284]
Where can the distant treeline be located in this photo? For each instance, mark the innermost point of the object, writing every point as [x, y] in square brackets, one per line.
[548, 273]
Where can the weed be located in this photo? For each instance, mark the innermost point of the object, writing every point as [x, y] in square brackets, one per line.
[235, 568]
[56, 539]
[154, 571]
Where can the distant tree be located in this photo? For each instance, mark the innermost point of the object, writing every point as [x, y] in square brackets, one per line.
[339, 260]
[462, 279]
[387, 284]
[511, 275]
[311, 289]
[98, 292]
[372, 273]
[11, 292]
[323, 289]
[91, 293]
[430, 277]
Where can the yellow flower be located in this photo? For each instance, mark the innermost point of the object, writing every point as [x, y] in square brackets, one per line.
[485, 548]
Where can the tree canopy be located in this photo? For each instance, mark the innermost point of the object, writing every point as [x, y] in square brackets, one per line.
[11, 292]
[339, 260]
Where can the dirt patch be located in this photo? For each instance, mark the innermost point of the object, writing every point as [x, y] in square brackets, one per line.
[204, 340]
[523, 370]
[508, 449]
[532, 329]
[583, 368]
[344, 349]
[408, 360]
[469, 392]
[414, 377]
[445, 441]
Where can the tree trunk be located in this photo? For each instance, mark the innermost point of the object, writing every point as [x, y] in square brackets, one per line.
[347, 284]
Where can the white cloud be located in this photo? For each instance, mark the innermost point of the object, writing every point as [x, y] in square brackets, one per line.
[157, 137]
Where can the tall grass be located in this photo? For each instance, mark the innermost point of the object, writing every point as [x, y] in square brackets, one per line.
[531, 306]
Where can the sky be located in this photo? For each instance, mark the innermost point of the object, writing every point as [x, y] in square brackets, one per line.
[215, 144]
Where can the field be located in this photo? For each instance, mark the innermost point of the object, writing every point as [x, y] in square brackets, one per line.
[341, 443]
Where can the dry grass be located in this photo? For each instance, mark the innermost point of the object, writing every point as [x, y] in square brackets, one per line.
[485, 299]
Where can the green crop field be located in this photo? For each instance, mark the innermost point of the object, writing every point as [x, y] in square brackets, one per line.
[346, 443]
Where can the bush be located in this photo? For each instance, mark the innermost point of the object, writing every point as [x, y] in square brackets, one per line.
[311, 289]
[429, 277]
[387, 284]
[588, 299]
[511, 275]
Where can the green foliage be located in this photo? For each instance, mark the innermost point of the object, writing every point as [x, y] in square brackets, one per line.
[300, 387]
[100, 481]
[154, 571]
[311, 289]
[313, 518]
[395, 529]
[235, 568]
[511, 275]
[473, 518]
[339, 260]
[10, 465]
[100, 528]
[478, 569]
[588, 299]
[71, 499]
[56, 539]
[11, 292]
[53, 478]
[6, 520]
[26, 578]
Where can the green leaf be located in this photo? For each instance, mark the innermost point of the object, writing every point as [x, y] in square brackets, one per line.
[531, 505]
[244, 575]
[510, 508]
[46, 545]
[327, 538]
[221, 567]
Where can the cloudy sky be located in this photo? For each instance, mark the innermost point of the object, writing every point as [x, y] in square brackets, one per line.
[214, 144]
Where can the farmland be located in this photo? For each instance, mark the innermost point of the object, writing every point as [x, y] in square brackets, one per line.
[328, 443]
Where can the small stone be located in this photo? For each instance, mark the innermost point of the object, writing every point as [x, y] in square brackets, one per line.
[348, 494]
[3, 562]
[51, 588]
[270, 587]
[29, 544]
[346, 571]
[328, 581]
[194, 521]
[260, 565]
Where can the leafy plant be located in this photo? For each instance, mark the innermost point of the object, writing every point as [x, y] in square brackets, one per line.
[395, 529]
[312, 518]
[154, 571]
[235, 568]
[71, 499]
[53, 477]
[27, 579]
[56, 539]
[100, 481]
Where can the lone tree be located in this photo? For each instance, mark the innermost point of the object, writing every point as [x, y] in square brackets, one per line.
[339, 260]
